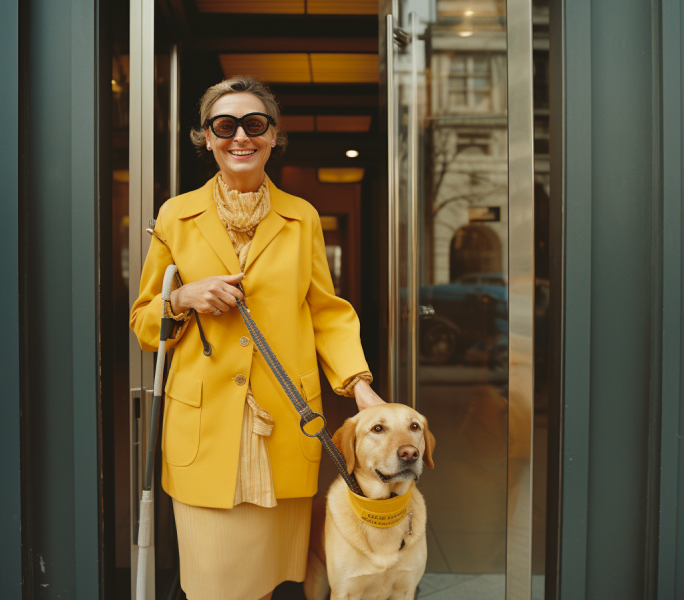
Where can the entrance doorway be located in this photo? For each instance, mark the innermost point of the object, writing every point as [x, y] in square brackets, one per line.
[401, 134]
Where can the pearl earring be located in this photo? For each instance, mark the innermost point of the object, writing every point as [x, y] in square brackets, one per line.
[209, 148]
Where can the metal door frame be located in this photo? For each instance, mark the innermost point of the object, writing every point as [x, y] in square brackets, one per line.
[520, 273]
[140, 210]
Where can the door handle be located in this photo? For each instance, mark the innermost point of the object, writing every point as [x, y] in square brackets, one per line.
[401, 38]
[392, 218]
[520, 98]
[413, 214]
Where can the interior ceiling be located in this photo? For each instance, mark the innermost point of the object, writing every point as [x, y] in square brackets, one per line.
[326, 123]
[303, 68]
[290, 7]
[319, 57]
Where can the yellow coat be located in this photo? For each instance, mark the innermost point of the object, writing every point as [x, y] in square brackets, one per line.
[290, 294]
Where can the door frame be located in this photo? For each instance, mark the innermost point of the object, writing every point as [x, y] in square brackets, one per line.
[521, 273]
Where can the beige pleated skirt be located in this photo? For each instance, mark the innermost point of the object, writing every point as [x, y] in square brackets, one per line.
[241, 553]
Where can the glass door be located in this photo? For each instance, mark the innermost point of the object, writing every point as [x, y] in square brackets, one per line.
[153, 178]
[461, 278]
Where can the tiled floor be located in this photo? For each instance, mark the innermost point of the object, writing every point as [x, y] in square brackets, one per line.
[448, 586]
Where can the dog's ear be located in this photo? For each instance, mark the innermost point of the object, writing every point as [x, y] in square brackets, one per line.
[345, 440]
[429, 446]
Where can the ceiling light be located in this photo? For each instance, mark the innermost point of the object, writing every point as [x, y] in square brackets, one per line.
[352, 153]
[465, 33]
[469, 13]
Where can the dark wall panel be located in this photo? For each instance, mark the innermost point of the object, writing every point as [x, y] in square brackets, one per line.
[61, 300]
[10, 499]
[621, 293]
[612, 290]
[50, 384]
[671, 20]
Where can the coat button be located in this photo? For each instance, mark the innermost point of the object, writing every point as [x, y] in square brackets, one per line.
[241, 380]
[244, 341]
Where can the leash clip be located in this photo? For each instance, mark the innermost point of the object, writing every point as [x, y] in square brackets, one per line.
[303, 423]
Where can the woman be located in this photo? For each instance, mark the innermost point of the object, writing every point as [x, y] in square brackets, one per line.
[240, 472]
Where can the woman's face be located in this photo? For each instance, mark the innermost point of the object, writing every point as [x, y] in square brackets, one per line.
[240, 156]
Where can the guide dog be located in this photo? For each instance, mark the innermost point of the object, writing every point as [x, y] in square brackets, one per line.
[369, 549]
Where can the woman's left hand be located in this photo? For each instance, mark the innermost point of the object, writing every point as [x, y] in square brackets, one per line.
[365, 396]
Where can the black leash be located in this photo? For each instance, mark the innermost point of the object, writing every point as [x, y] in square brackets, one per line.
[307, 415]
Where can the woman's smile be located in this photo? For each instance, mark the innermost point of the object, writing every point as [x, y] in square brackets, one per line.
[242, 154]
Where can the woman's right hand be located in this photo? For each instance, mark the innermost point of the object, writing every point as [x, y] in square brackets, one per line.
[207, 295]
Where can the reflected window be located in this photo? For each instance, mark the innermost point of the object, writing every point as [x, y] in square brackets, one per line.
[470, 83]
[473, 143]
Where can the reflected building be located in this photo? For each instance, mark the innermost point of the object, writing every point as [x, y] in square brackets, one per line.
[466, 128]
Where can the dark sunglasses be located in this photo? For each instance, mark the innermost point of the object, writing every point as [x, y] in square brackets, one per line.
[253, 124]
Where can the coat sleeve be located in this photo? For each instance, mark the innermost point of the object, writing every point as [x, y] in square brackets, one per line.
[146, 313]
[336, 324]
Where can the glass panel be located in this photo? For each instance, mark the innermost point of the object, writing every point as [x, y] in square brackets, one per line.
[167, 571]
[120, 275]
[165, 559]
[461, 176]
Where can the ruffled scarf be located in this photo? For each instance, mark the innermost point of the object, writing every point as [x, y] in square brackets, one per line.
[241, 212]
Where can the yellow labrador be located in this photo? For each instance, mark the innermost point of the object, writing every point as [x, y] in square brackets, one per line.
[385, 447]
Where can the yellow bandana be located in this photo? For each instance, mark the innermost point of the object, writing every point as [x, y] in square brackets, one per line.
[381, 513]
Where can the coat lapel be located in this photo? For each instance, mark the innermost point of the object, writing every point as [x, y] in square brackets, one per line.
[269, 227]
[281, 210]
[215, 233]
[201, 206]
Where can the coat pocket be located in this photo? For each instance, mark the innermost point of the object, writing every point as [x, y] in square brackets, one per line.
[182, 419]
[310, 385]
[310, 388]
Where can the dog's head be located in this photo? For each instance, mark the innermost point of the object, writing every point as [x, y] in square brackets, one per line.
[386, 447]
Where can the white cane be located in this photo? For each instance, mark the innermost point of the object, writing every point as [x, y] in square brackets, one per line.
[147, 502]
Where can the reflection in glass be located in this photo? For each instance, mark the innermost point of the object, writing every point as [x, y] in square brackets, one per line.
[464, 347]
[120, 95]
[463, 257]
[462, 153]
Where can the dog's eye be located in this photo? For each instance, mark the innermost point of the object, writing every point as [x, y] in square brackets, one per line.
[378, 429]
[415, 427]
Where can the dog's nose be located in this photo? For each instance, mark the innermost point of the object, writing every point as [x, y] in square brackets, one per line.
[408, 453]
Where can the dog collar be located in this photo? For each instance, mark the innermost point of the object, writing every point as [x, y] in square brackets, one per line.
[381, 513]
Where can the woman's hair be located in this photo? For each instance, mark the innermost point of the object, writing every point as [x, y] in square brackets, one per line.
[239, 83]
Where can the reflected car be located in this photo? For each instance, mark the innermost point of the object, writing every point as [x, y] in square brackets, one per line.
[466, 322]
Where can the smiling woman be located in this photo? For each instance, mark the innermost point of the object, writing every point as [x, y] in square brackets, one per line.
[240, 96]
[240, 472]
